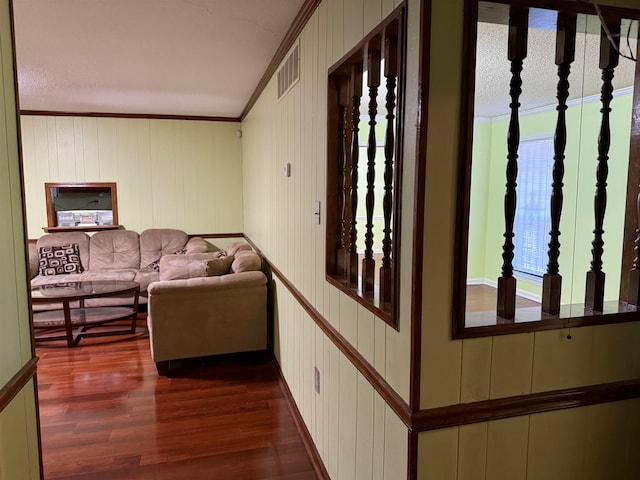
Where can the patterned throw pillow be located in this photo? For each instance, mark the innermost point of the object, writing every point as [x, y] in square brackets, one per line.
[155, 266]
[59, 260]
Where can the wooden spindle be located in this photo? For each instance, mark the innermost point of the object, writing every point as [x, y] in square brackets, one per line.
[391, 75]
[517, 52]
[352, 251]
[634, 274]
[565, 55]
[373, 82]
[341, 157]
[594, 297]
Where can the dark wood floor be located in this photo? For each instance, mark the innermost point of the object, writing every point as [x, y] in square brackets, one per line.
[105, 414]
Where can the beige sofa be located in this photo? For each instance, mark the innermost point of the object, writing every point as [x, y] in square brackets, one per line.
[201, 316]
[110, 255]
[200, 303]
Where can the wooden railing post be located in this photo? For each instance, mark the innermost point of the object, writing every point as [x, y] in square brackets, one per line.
[373, 82]
[341, 158]
[517, 52]
[594, 297]
[352, 237]
[390, 74]
[565, 55]
[634, 274]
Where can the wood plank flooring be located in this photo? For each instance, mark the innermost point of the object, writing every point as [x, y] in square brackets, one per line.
[106, 414]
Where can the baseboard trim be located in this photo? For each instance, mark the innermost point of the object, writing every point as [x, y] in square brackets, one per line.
[17, 383]
[301, 426]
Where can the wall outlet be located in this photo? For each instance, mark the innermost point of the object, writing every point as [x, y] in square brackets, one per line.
[316, 379]
[316, 212]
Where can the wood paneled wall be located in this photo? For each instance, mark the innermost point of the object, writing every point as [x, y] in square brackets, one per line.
[598, 442]
[184, 174]
[456, 372]
[19, 449]
[357, 434]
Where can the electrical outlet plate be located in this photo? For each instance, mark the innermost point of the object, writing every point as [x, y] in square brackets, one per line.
[316, 379]
[316, 212]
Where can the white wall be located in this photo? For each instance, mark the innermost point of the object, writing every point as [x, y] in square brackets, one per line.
[169, 173]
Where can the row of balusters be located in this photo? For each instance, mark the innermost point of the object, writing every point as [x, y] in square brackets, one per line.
[565, 55]
[380, 58]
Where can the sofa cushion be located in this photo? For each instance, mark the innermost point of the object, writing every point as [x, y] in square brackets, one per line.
[122, 274]
[49, 279]
[246, 261]
[179, 267]
[219, 266]
[60, 260]
[236, 247]
[145, 277]
[114, 249]
[67, 238]
[156, 242]
[197, 245]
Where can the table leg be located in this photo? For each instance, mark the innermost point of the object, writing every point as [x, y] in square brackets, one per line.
[71, 342]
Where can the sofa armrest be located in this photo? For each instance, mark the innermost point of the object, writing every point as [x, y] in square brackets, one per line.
[34, 260]
[196, 245]
[207, 316]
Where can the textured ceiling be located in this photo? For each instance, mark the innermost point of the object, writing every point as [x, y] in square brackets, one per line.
[165, 57]
[539, 76]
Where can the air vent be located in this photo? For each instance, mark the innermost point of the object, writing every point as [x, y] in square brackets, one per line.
[288, 73]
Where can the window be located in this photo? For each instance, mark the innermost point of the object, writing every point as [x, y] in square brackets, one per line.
[532, 220]
[562, 208]
[365, 102]
[81, 206]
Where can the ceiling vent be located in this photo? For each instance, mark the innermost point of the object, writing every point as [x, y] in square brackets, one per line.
[289, 72]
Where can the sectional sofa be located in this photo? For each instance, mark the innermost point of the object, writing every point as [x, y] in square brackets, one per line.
[200, 302]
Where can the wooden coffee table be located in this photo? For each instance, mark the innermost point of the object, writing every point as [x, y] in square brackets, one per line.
[74, 318]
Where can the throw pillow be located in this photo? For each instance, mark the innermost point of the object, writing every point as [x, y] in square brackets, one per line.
[219, 266]
[155, 266]
[58, 260]
[246, 262]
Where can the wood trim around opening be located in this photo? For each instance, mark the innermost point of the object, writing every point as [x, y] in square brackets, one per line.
[17, 382]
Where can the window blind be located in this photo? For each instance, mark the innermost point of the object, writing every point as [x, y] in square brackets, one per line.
[532, 220]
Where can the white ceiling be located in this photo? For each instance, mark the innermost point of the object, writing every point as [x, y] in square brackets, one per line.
[164, 57]
[206, 57]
